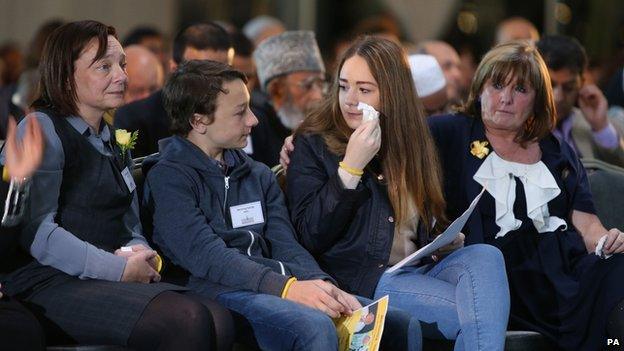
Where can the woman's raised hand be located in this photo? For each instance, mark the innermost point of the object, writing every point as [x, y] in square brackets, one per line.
[363, 144]
[24, 156]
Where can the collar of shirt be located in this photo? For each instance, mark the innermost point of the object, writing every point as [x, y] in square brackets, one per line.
[83, 128]
[100, 141]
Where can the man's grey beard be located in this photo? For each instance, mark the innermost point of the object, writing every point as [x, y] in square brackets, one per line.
[290, 116]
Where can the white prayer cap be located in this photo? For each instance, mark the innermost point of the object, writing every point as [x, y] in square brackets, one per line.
[427, 74]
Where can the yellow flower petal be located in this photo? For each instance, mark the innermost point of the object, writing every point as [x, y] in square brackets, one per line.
[123, 137]
[5, 174]
[479, 149]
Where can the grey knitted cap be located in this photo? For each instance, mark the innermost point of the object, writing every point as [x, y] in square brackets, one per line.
[289, 52]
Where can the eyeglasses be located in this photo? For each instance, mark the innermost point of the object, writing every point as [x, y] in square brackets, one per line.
[312, 82]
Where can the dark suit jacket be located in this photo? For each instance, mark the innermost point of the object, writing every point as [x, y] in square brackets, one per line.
[453, 135]
[149, 117]
[268, 136]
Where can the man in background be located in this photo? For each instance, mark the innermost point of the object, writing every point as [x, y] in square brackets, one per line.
[587, 128]
[204, 41]
[291, 72]
[448, 59]
[430, 83]
[145, 73]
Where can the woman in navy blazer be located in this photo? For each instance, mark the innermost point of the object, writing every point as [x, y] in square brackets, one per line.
[538, 207]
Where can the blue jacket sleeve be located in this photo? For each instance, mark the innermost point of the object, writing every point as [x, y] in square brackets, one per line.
[132, 223]
[181, 230]
[320, 207]
[281, 235]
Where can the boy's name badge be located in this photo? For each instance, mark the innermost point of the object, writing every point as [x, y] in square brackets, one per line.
[127, 176]
[247, 214]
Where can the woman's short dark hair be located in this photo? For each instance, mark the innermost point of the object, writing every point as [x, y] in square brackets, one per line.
[193, 88]
[64, 46]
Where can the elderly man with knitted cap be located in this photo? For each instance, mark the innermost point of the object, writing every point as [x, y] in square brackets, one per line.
[292, 74]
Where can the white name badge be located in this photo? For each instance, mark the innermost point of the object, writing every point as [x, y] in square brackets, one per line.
[127, 176]
[247, 214]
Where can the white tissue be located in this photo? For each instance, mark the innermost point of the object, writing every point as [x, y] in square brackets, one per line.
[368, 112]
[600, 246]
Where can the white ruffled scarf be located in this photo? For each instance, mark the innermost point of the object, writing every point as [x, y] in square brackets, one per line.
[497, 176]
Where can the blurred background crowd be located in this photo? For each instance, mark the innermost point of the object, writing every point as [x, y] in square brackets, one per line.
[470, 27]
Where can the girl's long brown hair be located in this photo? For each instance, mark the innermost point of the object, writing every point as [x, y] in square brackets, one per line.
[408, 154]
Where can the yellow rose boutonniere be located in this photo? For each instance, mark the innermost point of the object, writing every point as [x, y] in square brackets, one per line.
[126, 140]
[479, 148]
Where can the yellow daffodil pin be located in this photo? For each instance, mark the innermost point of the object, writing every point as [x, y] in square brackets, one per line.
[479, 149]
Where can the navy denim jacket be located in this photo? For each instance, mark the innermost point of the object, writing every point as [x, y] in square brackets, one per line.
[349, 232]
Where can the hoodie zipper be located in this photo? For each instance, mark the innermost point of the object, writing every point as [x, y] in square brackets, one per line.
[227, 187]
[253, 239]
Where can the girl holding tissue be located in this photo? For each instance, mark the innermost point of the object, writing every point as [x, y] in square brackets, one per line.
[365, 191]
[538, 207]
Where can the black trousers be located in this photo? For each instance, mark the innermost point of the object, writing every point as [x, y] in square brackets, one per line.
[19, 329]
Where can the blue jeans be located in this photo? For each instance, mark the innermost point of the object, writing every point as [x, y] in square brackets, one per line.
[280, 324]
[463, 297]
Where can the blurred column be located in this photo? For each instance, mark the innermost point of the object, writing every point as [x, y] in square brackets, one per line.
[423, 19]
[550, 21]
[307, 14]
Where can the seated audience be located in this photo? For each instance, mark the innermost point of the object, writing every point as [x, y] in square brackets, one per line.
[90, 276]
[204, 41]
[222, 217]
[365, 194]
